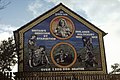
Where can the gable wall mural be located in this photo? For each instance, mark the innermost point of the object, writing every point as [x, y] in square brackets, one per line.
[61, 41]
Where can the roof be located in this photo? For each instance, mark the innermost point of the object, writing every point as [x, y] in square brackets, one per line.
[63, 7]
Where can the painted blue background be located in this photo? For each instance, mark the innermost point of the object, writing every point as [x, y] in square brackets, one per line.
[45, 25]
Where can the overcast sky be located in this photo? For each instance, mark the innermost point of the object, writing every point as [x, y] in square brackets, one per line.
[105, 14]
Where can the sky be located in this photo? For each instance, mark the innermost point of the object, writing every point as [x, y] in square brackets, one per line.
[105, 14]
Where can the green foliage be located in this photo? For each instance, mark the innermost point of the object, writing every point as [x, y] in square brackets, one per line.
[116, 69]
[8, 54]
[115, 66]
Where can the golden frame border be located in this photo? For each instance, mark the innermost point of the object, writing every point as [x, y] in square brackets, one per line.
[73, 27]
[60, 7]
[75, 55]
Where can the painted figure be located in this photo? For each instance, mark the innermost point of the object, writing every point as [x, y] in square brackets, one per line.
[63, 57]
[87, 43]
[39, 57]
[62, 29]
[89, 59]
[31, 47]
[60, 56]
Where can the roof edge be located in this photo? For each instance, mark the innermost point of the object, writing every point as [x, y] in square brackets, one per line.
[61, 4]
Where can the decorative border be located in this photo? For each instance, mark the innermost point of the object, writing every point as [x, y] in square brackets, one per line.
[28, 26]
[51, 27]
[75, 55]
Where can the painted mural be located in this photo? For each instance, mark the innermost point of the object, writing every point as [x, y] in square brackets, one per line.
[61, 43]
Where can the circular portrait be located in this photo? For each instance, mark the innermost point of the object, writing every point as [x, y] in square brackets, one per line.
[62, 27]
[63, 55]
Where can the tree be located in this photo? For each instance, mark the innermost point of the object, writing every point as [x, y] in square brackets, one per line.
[8, 54]
[4, 3]
[115, 66]
[116, 69]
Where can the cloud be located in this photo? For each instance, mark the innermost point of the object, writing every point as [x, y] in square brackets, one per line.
[6, 31]
[38, 7]
[33, 7]
[105, 14]
[96, 10]
[102, 13]
[6, 28]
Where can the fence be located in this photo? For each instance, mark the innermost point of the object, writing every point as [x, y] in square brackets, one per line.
[6, 76]
[64, 76]
[56, 76]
